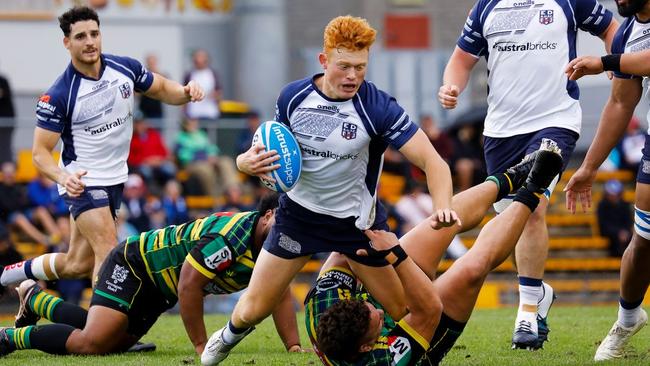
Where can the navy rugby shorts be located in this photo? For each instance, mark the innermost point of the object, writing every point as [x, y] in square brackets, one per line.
[299, 232]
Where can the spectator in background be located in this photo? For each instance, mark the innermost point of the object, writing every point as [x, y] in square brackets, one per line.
[8, 253]
[151, 108]
[7, 114]
[124, 228]
[235, 201]
[208, 79]
[200, 157]
[439, 138]
[632, 145]
[615, 218]
[467, 159]
[174, 205]
[135, 203]
[42, 192]
[245, 137]
[148, 155]
[415, 206]
[15, 210]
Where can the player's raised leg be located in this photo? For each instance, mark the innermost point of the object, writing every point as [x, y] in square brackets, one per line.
[459, 286]
[635, 277]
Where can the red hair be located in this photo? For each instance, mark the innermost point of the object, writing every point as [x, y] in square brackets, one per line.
[348, 32]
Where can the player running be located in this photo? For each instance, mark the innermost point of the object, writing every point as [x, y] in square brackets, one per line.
[90, 109]
[526, 44]
[145, 276]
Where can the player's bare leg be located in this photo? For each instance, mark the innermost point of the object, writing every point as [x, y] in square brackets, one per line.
[270, 279]
[635, 277]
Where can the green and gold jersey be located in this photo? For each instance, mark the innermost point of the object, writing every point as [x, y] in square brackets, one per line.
[219, 246]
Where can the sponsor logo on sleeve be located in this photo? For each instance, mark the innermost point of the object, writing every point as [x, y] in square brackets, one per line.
[44, 103]
[219, 260]
[399, 347]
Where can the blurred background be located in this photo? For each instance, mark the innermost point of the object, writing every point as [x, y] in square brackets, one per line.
[250, 49]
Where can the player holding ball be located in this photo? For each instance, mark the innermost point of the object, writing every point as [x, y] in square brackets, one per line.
[343, 124]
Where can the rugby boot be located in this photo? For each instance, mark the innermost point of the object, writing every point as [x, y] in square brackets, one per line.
[216, 349]
[26, 316]
[613, 346]
[5, 346]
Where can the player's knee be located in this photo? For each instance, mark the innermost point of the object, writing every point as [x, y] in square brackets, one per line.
[252, 311]
[475, 271]
[86, 344]
[538, 217]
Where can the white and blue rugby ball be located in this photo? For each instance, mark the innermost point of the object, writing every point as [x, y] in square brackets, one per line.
[276, 136]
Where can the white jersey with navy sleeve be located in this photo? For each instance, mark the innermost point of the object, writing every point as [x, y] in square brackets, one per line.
[527, 44]
[95, 118]
[342, 144]
[632, 36]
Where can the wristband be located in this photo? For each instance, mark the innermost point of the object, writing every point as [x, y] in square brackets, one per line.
[611, 62]
[396, 256]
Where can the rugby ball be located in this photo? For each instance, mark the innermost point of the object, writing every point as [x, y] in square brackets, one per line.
[276, 136]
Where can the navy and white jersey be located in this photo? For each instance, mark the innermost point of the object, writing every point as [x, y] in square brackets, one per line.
[95, 118]
[632, 36]
[527, 44]
[342, 144]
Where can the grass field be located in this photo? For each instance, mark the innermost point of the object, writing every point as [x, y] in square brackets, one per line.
[575, 333]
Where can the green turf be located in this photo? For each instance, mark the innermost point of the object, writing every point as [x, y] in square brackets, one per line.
[575, 333]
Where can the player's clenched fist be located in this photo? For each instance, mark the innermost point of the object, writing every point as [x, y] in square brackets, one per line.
[194, 91]
[448, 96]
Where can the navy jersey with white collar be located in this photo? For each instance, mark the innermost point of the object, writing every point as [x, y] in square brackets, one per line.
[342, 144]
[95, 118]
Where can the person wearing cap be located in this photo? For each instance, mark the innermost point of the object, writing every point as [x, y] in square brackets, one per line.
[615, 218]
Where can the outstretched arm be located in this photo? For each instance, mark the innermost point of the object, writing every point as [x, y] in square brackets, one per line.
[284, 317]
[616, 115]
[171, 92]
[419, 151]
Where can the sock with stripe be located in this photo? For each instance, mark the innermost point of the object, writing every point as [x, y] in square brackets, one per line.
[504, 184]
[56, 310]
[628, 312]
[232, 334]
[50, 338]
[39, 268]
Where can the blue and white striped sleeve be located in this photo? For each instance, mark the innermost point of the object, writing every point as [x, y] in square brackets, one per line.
[592, 16]
[142, 78]
[618, 47]
[471, 39]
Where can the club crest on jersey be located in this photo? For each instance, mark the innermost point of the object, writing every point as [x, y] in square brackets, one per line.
[349, 131]
[125, 89]
[546, 17]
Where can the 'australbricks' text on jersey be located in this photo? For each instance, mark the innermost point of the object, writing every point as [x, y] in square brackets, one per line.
[95, 118]
[527, 44]
[342, 143]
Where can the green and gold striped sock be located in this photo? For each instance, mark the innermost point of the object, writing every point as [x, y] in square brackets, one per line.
[19, 337]
[43, 304]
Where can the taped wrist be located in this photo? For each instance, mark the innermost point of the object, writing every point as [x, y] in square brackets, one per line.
[611, 62]
[395, 255]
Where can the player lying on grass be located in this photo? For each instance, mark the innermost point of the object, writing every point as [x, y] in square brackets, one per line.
[145, 276]
[345, 329]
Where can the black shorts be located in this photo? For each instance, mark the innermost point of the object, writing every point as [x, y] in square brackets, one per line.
[124, 285]
[299, 232]
[95, 197]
